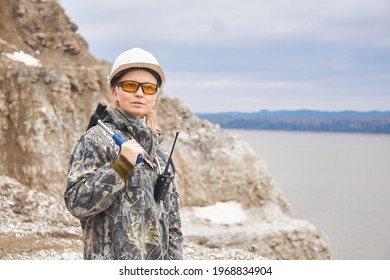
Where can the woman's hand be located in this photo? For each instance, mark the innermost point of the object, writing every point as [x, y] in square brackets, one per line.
[131, 149]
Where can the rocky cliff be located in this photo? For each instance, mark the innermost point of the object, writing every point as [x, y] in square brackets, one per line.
[49, 85]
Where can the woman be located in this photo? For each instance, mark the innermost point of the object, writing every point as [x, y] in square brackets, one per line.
[112, 194]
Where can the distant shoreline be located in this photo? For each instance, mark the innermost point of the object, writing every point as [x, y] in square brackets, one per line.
[309, 132]
[374, 122]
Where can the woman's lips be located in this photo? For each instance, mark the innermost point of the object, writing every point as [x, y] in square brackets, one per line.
[137, 103]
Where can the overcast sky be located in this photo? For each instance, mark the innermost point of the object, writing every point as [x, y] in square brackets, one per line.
[248, 55]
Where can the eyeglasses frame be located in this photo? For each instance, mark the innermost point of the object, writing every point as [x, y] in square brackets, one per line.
[119, 84]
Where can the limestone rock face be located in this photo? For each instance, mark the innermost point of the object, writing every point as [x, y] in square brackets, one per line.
[40, 118]
[49, 86]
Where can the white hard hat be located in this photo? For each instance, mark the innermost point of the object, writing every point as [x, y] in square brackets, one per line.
[136, 58]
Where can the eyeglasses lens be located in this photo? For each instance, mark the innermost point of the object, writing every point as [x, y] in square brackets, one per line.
[149, 88]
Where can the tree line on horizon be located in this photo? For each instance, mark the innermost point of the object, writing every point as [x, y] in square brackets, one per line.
[304, 120]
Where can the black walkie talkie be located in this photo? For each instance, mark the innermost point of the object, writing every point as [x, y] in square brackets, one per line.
[165, 179]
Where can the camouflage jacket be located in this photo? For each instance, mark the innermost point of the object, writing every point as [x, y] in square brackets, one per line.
[120, 219]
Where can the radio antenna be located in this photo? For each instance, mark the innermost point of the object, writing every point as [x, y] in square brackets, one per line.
[170, 156]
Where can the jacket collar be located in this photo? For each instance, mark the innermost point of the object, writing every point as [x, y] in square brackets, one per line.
[135, 126]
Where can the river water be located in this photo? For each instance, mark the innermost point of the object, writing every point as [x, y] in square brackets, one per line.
[338, 182]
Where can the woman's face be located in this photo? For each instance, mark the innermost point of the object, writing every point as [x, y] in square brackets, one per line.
[137, 103]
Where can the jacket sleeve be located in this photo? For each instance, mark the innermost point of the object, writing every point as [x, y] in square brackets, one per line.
[92, 184]
[175, 250]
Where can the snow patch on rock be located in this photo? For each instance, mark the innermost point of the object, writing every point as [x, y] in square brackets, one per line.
[24, 58]
[230, 212]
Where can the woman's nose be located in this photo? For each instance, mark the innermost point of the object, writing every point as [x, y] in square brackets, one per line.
[139, 91]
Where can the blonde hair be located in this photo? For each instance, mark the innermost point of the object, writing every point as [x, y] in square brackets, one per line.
[151, 117]
[151, 121]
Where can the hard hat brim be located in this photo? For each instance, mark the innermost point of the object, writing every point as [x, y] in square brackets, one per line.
[157, 68]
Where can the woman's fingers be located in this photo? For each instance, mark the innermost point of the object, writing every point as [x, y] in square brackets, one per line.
[131, 149]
